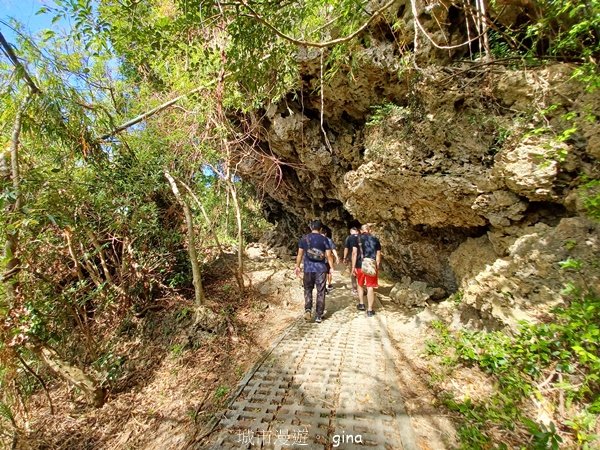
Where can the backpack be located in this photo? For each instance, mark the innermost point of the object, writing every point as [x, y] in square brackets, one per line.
[369, 265]
[314, 254]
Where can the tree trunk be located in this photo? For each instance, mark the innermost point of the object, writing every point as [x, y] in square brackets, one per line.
[240, 235]
[95, 394]
[197, 278]
[208, 221]
[484, 30]
[100, 252]
[12, 176]
[227, 211]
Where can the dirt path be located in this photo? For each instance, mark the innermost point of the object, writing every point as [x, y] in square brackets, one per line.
[322, 386]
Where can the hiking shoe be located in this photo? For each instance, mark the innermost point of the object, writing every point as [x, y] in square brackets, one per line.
[370, 313]
[307, 315]
[318, 319]
[361, 307]
[330, 287]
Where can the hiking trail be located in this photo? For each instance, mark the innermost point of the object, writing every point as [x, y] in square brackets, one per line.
[322, 386]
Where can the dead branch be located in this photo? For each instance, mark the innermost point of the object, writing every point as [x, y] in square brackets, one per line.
[39, 379]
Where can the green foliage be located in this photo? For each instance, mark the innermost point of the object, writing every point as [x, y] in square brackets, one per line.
[590, 193]
[570, 263]
[544, 437]
[499, 46]
[111, 366]
[569, 345]
[584, 424]
[177, 350]
[382, 112]
[101, 234]
[501, 135]
[221, 392]
[457, 297]
[471, 433]
[563, 29]
[6, 412]
[567, 27]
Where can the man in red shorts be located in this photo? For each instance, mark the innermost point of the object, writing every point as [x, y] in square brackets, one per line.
[366, 246]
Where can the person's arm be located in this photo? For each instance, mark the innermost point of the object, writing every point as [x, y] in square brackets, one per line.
[298, 261]
[354, 257]
[337, 258]
[329, 255]
[347, 247]
[378, 259]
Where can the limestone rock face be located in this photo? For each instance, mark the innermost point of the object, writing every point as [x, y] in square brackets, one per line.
[530, 280]
[500, 208]
[472, 257]
[531, 168]
[456, 167]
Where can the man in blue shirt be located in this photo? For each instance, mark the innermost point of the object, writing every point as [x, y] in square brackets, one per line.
[314, 251]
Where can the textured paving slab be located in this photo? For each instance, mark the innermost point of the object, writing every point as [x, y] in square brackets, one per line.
[328, 385]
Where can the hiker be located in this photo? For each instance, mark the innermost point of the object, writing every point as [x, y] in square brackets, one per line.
[314, 251]
[348, 244]
[326, 231]
[366, 258]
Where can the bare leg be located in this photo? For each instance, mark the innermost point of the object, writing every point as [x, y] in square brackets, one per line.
[361, 295]
[353, 278]
[370, 297]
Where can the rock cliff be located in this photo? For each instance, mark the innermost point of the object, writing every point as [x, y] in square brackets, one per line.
[470, 172]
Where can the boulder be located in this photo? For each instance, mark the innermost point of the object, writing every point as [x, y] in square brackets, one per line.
[414, 294]
[530, 169]
[257, 250]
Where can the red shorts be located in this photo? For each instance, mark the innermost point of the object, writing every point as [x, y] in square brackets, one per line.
[366, 280]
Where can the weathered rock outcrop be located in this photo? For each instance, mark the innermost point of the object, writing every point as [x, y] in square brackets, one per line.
[536, 272]
[455, 166]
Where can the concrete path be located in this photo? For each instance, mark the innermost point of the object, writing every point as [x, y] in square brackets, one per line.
[323, 386]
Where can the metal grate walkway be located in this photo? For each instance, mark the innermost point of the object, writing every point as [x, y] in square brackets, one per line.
[328, 385]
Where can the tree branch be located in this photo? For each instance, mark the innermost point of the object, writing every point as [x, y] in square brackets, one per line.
[204, 213]
[147, 114]
[20, 68]
[196, 274]
[39, 379]
[258, 17]
[316, 44]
